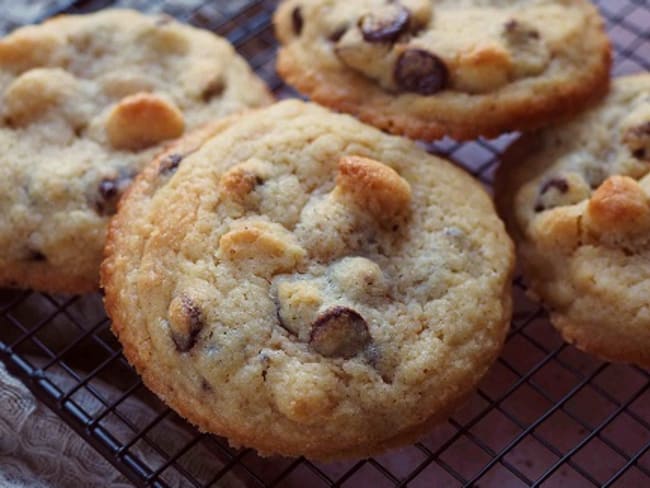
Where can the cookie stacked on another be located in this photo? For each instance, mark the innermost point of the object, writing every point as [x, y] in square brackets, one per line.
[85, 103]
[304, 284]
[576, 198]
[461, 68]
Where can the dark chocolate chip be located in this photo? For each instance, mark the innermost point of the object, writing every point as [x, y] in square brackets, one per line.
[637, 138]
[297, 20]
[517, 31]
[559, 184]
[339, 332]
[170, 164]
[36, 256]
[386, 25]
[376, 359]
[266, 362]
[192, 313]
[337, 34]
[109, 190]
[420, 72]
[215, 88]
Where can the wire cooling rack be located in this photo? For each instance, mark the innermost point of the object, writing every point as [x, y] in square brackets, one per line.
[546, 414]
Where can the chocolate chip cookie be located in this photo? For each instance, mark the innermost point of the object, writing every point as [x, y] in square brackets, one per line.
[577, 201]
[462, 68]
[86, 101]
[304, 284]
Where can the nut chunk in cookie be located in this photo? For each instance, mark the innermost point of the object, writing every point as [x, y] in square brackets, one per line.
[337, 287]
[577, 199]
[427, 69]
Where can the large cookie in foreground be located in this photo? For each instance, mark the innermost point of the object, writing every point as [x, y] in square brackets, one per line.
[305, 284]
[462, 68]
[577, 201]
[85, 103]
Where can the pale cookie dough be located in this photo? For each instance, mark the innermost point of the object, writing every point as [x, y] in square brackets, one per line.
[305, 284]
[85, 102]
[463, 68]
[577, 201]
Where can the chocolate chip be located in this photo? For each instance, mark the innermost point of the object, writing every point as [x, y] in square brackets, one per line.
[559, 184]
[36, 256]
[297, 20]
[386, 25]
[337, 34]
[194, 323]
[638, 139]
[109, 190]
[205, 386]
[339, 332]
[420, 72]
[516, 31]
[213, 89]
[375, 358]
[170, 164]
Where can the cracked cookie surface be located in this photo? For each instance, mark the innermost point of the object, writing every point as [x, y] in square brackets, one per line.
[462, 68]
[306, 284]
[577, 202]
[85, 103]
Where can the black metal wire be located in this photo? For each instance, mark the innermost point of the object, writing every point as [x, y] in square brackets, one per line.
[29, 354]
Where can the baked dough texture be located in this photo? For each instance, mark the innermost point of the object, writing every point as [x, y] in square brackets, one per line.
[304, 284]
[576, 198]
[461, 68]
[85, 103]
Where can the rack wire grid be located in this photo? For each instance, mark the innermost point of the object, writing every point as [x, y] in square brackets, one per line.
[545, 415]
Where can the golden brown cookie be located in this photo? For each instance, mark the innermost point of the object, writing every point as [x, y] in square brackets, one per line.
[576, 198]
[85, 102]
[463, 68]
[306, 284]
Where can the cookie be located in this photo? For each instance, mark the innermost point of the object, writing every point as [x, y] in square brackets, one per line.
[576, 198]
[86, 102]
[462, 68]
[307, 285]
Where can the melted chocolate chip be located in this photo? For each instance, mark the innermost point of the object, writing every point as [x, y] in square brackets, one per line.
[214, 89]
[637, 138]
[515, 30]
[205, 386]
[170, 164]
[192, 313]
[297, 20]
[387, 27]
[420, 72]
[109, 190]
[337, 34]
[559, 184]
[339, 332]
[36, 256]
